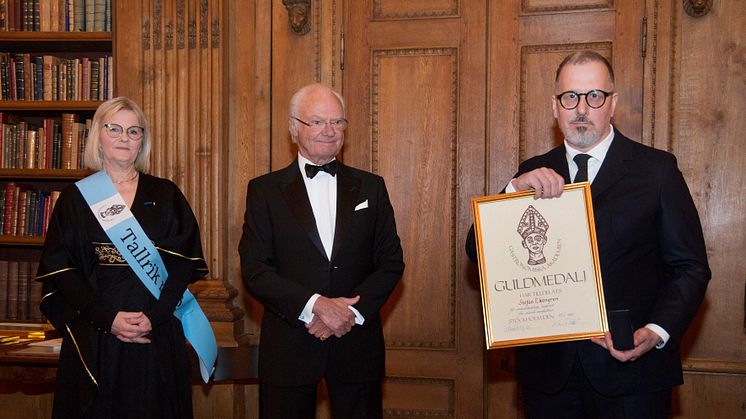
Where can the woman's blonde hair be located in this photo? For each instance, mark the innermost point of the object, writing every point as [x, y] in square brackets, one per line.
[93, 157]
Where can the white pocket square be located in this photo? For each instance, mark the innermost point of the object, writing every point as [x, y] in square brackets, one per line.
[362, 205]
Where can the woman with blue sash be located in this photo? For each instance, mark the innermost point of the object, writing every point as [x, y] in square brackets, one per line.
[113, 292]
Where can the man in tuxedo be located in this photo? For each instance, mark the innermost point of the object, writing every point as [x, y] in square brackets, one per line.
[320, 251]
[651, 250]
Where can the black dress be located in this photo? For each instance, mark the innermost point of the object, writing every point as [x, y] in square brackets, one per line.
[87, 282]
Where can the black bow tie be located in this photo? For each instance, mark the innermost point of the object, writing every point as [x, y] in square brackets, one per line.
[332, 167]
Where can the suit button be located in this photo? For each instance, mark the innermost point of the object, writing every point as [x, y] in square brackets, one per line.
[335, 267]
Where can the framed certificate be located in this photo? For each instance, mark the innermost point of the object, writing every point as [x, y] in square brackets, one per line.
[538, 268]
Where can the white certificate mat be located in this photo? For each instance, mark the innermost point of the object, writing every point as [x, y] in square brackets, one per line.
[538, 267]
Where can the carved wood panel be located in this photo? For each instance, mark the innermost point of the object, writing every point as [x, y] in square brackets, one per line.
[174, 69]
[415, 103]
[697, 95]
[416, 153]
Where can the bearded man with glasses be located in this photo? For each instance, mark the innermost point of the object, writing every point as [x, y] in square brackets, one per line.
[651, 250]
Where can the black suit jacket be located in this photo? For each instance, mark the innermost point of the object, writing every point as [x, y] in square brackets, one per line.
[283, 263]
[653, 262]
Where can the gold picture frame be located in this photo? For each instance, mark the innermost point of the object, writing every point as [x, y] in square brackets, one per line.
[538, 265]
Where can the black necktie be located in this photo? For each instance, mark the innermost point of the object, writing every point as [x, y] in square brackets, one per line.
[332, 167]
[582, 161]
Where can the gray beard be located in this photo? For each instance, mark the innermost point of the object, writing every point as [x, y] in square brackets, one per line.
[582, 137]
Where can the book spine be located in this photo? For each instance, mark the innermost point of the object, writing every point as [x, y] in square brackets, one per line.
[2, 222]
[35, 293]
[39, 202]
[74, 147]
[32, 201]
[54, 15]
[85, 89]
[68, 121]
[28, 77]
[21, 212]
[12, 313]
[28, 15]
[39, 78]
[32, 138]
[99, 15]
[64, 15]
[94, 75]
[55, 81]
[3, 289]
[4, 27]
[110, 77]
[45, 21]
[47, 78]
[78, 11]
[20, 82]
[8, 210]
[89, 15]
[78, 79]
[4, 78]
[56, 146]
[23, 284]
[36, 16]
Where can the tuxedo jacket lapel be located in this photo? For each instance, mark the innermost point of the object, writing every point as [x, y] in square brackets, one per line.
[348, 188]
[296, 197]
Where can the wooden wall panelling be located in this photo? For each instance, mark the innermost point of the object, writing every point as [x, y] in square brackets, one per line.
[247, 95]
[416, 154]
[414, 82]
[181, 85]
[710, 395]
[298, 60]
[131, 31]
[696, 96]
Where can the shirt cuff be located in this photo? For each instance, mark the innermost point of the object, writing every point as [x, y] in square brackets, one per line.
[664, 336]
[510, 188]
[359, 319]
[307, 314]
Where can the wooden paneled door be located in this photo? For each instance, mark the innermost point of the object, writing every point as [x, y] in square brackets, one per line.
[414, 78]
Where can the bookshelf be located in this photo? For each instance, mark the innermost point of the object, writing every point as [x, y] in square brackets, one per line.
[51, 84]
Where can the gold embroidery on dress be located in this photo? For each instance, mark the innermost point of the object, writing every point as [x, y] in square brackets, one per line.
[108, 253]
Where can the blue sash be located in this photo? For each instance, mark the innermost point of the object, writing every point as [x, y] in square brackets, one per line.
[134, 245]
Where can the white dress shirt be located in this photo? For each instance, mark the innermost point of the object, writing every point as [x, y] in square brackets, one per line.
[322, 193]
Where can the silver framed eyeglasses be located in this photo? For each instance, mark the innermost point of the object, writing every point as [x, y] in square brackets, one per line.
[339, 124]
[134, 132]
[594, 98]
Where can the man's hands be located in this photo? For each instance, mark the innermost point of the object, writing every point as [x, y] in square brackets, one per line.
[645, 340]
[545, 182]
[332, 316]
[131, 327]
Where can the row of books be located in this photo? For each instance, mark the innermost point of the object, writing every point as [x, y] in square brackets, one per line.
[55, 15]
[46, 77]
[48, 144]
[20, 294]
[25, 210]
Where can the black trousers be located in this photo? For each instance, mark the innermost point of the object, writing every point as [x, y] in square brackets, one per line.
[579, 400]
[347, 400]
